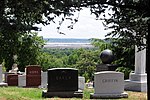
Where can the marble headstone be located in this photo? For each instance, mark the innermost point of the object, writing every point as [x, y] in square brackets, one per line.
[108, 84]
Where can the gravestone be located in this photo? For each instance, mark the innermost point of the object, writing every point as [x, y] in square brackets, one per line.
[108, 84]
[13, 72]
[12, 79]
[106, 57]
[81, 82]
[138, 79]
[1, 78]
[21, 80]
[62, 82]
[43, 80]
[33, 76]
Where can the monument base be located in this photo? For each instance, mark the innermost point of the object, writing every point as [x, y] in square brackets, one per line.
[67, 94]
[108, 96]
[136, 82]
[106, 67]
[135, 86]
[3, 84]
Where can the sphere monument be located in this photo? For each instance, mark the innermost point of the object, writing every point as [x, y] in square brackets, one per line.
[107, 56]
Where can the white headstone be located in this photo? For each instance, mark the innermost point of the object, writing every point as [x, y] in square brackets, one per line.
[81, 83]
[1, 77]
[138, 80]
[43, 80]
[109, 84]
[21, 80]
[1, 73]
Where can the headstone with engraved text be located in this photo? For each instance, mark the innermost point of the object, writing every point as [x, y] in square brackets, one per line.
[62, 82]
[33, 76]
[108, 84]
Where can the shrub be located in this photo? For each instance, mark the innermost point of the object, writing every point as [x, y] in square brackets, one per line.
[124, 70]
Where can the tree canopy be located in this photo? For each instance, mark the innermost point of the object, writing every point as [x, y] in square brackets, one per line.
[128, 17]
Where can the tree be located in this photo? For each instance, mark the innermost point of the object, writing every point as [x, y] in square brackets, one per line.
[29, 50]
[124, 54]
[22, 15]
[18, 19]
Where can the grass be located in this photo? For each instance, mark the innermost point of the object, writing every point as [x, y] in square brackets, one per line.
[17, 93]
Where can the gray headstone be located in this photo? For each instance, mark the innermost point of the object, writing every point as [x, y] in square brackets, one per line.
[1, 77]
[109, 84]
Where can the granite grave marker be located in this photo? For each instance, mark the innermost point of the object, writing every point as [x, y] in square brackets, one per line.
[33, 76]
[62, 82]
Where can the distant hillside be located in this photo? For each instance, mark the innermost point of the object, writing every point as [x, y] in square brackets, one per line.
[66, 40]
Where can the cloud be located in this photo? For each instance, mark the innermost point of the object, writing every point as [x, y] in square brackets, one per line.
[86, 27]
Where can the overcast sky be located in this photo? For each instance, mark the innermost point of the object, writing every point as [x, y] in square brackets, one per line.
[87, 27]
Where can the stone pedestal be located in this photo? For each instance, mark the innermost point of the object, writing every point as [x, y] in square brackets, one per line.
[138, 80]
[106, 67]
[108, 85]
[1, 78]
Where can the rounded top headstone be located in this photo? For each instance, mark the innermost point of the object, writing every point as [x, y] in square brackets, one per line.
[107, 56]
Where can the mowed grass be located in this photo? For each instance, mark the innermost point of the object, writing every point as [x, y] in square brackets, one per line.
[17, 93]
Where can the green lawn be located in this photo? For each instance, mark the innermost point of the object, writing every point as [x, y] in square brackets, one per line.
[16, 93]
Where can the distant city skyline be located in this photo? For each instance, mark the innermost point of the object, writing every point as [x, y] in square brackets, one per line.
[86, 27]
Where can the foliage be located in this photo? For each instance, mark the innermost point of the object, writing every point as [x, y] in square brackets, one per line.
[124, 54]
[128, 20]
[84, 60]
[18, 19]
[126, 16]
[26, 46]
[29, 50]
[100, 43]
[8, 48]
[129, 23]
[87, 62]
[124, 70]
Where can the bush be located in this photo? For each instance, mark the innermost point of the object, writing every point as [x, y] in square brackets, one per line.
[124, 70]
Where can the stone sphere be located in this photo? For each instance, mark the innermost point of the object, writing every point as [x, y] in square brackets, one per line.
[107, 56]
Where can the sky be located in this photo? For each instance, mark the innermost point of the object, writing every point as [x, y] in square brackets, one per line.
[86, 27]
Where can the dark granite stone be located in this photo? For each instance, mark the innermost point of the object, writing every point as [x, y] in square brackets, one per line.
[106, 67]
[107, 56]
[62, 79]
[12, 80]
[62, 82]
[33, 76]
